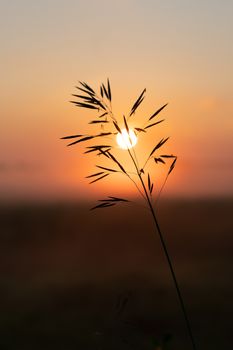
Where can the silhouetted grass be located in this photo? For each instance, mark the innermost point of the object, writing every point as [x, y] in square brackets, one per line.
[102, 103]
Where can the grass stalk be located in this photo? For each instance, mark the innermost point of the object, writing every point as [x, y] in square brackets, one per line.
[103, 104]
[167, 255]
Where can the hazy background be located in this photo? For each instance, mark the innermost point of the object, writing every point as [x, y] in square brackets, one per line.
[65, 269]
[181, 51]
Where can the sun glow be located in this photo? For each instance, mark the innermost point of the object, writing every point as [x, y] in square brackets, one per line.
[126, 139]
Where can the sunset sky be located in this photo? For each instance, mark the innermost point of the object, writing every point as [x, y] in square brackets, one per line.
[180, 50]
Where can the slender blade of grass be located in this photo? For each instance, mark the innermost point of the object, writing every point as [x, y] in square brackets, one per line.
[70, 137]
[117, 127]
[103, 205]
[119, 199]
[87, 87]
[96, 174]
[81, 140]
[109, 91]
[99, 178]
[137, 103]
[101, 91]
[118, 163]
[96, 148]
[104, 134]
[159, 160]
[126, 124]
[85, 91]
[151, 189]
[150, 125]
[161, 142]
[104, 153]
[140, 129]
[148, 181]
[158, 111]
[84, 105]
[98, 121]
[108, 169]
[102, 115]
[105, 91]
[172, 166]
[168, 156]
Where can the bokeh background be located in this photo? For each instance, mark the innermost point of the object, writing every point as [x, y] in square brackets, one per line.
[63, 268]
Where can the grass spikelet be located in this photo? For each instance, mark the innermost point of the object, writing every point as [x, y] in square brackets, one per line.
[90, 99]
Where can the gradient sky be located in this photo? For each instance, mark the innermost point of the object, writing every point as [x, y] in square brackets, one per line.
[180, 50]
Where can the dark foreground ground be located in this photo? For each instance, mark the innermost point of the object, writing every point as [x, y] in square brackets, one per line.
[75, 279]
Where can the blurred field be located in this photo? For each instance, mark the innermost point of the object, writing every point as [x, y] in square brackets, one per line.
[65, 271]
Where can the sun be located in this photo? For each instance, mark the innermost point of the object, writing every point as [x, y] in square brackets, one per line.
[126, 139]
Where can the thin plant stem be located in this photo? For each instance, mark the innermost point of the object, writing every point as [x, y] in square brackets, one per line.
[160, 191]
[151, 208]
[171, 268]
[136, 185]
[136, 158]
[92, 102]
[166, 255]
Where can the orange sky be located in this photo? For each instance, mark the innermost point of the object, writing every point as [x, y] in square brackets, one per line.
[180, 51]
